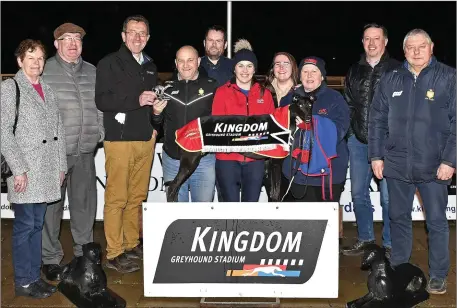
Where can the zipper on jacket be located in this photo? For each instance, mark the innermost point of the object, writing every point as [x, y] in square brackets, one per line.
[371, 90]
[247, 112]
[186, 99]
[81, 113]
[410, 128]
[247, 109]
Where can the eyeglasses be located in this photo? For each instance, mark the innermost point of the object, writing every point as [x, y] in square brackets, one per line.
[134, 33]
[68, 39]
[283, 64]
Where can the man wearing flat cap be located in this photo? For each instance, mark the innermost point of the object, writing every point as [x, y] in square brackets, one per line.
[73, 81]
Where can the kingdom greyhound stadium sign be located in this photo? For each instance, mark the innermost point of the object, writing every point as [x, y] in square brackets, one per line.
[241, 250]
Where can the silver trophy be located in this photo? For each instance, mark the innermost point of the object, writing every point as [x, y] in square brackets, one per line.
[160, 92]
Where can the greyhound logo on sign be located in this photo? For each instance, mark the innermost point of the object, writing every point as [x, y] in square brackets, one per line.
[240, 251]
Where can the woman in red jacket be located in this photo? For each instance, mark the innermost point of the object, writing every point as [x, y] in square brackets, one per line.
[242, 95]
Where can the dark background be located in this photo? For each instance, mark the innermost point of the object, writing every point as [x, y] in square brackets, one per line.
[331, 30]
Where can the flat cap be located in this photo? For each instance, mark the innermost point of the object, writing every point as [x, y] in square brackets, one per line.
[68, 28]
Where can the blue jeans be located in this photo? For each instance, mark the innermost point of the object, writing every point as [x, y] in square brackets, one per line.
[201, 183]
[435, 199]
[27, 226]
[361, 175]
[233, 175]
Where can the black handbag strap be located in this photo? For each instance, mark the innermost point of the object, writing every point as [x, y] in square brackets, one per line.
[18, 94]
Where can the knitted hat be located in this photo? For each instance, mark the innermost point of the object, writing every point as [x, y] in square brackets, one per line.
[314, 61]
[243, 52]
[68, 28]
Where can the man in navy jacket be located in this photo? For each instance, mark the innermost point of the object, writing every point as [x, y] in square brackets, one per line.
[412, 143]
[214, 64]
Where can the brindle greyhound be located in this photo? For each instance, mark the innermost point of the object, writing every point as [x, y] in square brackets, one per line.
[301, 106]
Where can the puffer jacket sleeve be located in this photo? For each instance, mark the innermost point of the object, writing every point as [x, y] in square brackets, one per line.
[101, 128]
[449, 153]
[62, 145]
[378, 122]
[9, 147]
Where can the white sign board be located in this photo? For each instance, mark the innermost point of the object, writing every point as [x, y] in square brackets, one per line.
[157, 193]
[272, 250]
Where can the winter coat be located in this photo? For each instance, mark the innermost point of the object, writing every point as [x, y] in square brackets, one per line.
[38, 146]
[359, 87]
[229, 100]
[221, 72]
[329, 104]
[74, 86]
[120, 82]
[412, 122]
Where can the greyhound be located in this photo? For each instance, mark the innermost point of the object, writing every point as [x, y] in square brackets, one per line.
[301, 106]
[267, 270]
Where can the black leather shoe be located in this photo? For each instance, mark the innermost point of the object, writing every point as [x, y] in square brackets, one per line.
[135, 253]
[388, 252]
[33, 290]
[355, 250]
[52, 272]
[122, 264]
[46, 286]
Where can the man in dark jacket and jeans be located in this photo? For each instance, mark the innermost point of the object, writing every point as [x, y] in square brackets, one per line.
[190, 96]
[412, 144]
[360, 84]
[123, 91]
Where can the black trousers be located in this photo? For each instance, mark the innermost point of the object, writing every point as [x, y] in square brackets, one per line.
[302, 193]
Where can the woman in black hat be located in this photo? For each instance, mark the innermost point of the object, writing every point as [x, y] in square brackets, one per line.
[242, 95]
[330, 122]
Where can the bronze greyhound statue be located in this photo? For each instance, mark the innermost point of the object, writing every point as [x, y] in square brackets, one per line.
[301, 106]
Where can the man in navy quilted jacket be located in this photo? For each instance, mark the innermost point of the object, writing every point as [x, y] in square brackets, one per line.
[411, 142]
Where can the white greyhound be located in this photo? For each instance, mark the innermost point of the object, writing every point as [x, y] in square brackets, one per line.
[267, 270]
